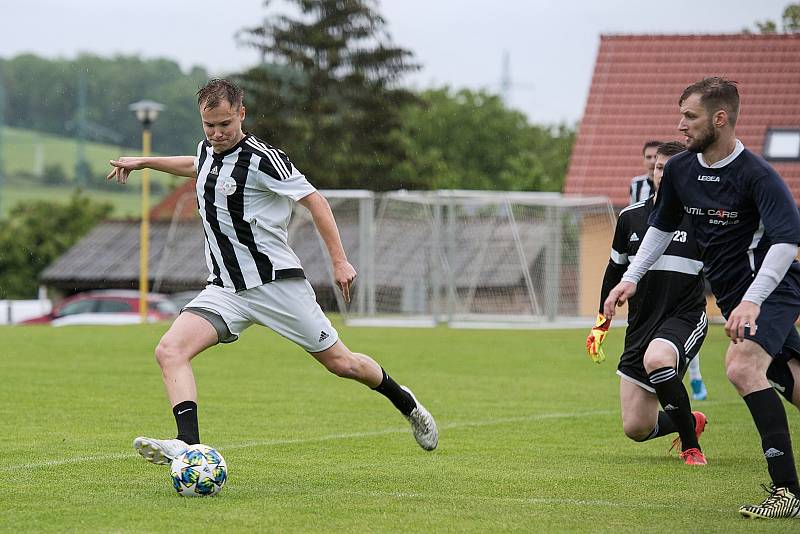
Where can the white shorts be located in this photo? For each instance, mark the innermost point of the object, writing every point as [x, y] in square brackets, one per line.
[289, 307]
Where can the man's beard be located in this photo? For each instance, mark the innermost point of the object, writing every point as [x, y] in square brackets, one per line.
[708, 137]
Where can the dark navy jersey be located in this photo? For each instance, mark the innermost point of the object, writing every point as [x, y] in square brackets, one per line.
[673, 286]
[739, 207]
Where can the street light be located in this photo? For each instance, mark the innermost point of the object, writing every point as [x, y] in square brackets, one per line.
[147, 112]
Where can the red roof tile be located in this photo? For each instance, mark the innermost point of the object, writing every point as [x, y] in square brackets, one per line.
[634, 95]
[182, 199]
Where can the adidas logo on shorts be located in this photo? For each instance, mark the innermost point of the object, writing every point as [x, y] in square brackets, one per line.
[323, 336]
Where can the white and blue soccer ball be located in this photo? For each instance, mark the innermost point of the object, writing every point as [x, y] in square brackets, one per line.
[199, 472]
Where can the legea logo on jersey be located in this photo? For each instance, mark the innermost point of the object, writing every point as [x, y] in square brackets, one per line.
[707, 178]
[227, 186]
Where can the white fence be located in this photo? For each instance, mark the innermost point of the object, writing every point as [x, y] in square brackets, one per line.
[14, 311]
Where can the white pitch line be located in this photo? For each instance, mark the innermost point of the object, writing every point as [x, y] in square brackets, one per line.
[329, 437]
[334, 437]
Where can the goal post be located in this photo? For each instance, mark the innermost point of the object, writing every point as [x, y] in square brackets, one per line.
[463, 258]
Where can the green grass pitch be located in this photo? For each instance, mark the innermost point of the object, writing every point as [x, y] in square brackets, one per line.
[530, 438]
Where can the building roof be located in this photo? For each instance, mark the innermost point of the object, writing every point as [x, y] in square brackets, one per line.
[108, 256]
[181, 203]
[634, 95]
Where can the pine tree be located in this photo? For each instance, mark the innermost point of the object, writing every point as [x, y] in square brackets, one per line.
[328, 92]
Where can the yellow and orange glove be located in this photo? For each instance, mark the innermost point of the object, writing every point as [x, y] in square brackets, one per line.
[594, 342]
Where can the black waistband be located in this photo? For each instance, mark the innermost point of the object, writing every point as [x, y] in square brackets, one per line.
[280, 274]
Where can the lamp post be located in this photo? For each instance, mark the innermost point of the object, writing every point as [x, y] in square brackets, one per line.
[147, 112]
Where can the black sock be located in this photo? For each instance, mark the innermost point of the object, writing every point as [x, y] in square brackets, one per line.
[401, 399]
[664, 427]
[675, 401]
[770, 419]
[186, 418]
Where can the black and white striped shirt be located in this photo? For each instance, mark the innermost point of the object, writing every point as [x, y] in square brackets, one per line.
[641, 188]
[245, 197]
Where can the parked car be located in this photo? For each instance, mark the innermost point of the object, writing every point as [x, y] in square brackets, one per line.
[182, 298]
[113, 306]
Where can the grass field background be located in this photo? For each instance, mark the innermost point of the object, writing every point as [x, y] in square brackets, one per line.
[19, 149]
[530, 438]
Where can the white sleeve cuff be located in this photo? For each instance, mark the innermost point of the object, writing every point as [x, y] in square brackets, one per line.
[774, 267]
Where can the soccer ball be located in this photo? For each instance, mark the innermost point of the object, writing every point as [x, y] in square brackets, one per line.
[198, 472]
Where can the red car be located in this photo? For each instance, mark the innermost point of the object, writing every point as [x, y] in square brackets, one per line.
[113, 306]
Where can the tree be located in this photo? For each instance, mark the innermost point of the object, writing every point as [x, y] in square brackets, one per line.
[790, 21]
[328, 92]
[42, 94]
[470, 140]
[35, 234]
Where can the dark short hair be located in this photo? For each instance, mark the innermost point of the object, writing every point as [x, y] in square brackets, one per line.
[715, 94]
[670, 148]
[650, 144]
[216, 90]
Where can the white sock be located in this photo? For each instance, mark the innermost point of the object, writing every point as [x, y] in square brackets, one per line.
[694, 369]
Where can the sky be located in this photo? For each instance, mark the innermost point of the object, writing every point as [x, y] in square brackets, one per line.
[550, 45]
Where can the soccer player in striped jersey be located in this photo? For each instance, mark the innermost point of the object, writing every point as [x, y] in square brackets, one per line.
[666, 327]
[642, 185]
[748, 228]
[245, 192]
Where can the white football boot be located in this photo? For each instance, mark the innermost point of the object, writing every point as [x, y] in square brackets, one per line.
[423, 425]
[159, 451]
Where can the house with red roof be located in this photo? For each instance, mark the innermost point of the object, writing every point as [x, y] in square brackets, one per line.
[633, 98]
[634, 95]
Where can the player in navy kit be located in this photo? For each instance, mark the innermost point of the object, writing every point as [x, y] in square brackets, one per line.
[666, 326]
[748, 227]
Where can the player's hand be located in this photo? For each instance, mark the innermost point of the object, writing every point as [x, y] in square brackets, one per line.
[743, 316]
[594, 343]
[617, 297]
[122, 168]
[344, 274]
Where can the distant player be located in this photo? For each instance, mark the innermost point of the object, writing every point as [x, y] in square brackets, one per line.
[748, 228]
[642, 185]
[666, 327]
[245, 192]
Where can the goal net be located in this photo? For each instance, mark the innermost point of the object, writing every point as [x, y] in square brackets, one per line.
[464, 258]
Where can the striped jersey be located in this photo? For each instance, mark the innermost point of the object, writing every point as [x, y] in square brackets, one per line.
[739, 207]
[673, 286]
[641, 188]
[245, 197]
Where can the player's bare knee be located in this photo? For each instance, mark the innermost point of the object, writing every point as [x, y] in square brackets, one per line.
[658, 360]
[168, 353]
[635, 431]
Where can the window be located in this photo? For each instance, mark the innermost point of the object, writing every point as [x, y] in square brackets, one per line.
[782, 144]
[81, 306]
[113, 306]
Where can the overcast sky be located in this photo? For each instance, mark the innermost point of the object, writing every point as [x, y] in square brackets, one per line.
[551, 44]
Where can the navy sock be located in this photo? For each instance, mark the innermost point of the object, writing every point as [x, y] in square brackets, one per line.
[186, 418]
[770, 419]
[675, 401]
[401, 399]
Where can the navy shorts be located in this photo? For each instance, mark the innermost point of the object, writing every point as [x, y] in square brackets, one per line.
[776, 332]
[685, 333]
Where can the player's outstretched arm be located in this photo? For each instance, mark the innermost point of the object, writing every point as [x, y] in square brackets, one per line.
[177, 165]
[343, 273]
